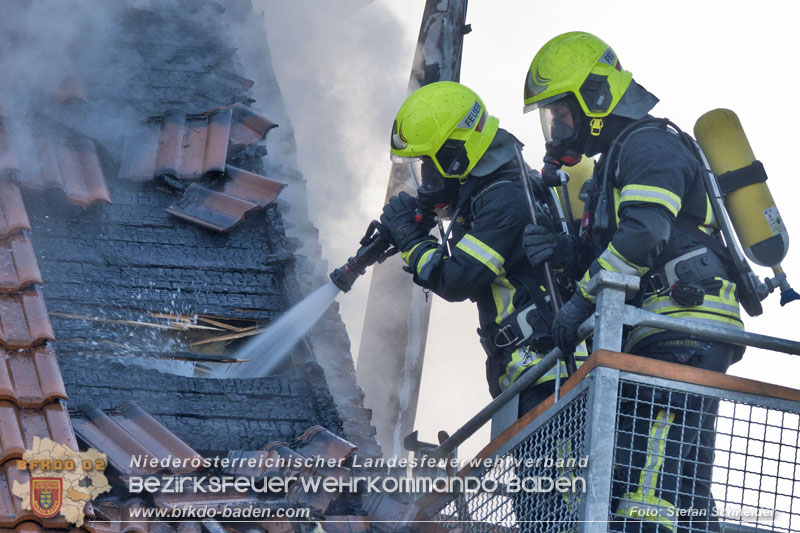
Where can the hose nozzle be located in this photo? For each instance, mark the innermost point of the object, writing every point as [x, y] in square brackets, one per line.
[375, 248]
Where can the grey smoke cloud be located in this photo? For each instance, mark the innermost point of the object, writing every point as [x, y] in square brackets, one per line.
[343, 70]
[54, 52]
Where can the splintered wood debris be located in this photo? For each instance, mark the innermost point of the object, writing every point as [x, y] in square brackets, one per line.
[180, 323]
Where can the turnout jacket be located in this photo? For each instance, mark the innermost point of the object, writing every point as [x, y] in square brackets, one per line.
[656, 190]
[487, 265]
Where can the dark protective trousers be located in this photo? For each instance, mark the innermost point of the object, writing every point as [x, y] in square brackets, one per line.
[665, 450]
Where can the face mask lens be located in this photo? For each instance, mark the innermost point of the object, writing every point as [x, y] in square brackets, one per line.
[559, 122]
[436, 192]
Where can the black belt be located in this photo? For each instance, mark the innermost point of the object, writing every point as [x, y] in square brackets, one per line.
[527, 326]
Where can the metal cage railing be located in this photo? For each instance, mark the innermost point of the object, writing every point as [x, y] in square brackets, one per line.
[600, 439]
[638, 445]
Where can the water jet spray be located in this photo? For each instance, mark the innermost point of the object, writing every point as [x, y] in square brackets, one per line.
[264, 353]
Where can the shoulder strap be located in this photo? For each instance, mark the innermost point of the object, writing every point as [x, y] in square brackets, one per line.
[482, 191]
[688, 227]
[612, 160]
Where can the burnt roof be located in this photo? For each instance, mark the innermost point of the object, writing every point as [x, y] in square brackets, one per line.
[126, 285]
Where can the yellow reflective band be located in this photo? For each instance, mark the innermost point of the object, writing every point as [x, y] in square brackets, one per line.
[581, 351]
[564, 451]
[407, 254]
[584, 282]
[650, 194]
[481, 252]
[503, 293]
[523, 358]
[727, 293]
[656, 444]
[643, 503]
[423, 259]
[710, 220]
[665, 305]
[642, 332]
[614, 261]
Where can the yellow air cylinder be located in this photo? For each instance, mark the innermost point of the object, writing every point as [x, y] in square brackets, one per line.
[742, 181]
[578, 174]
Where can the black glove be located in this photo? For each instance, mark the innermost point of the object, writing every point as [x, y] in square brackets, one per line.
[568, 320]
[426, 215]
[400, 218]
[550, 175]
[541, 244]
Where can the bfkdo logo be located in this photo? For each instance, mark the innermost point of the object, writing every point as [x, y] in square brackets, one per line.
[46, 496]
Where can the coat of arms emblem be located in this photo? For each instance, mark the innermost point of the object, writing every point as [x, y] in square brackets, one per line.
[46, 496]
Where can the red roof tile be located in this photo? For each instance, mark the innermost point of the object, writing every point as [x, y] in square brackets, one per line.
[247, 126]
[250, 186]
[68, 162]
[20, 426]
[134, 433]
[18, 266]
[316, 442]
[23, 320]
[30, 378]
[156, 437]
[190, 146]
[55, 158]
[178, 145]
[25, 527]
[210, 209]
[11, 511]
[319, 442]
[242, 192]
[13, 217]
[265, 461]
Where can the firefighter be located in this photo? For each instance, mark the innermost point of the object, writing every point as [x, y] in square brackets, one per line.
[469, 166]
[648, 216]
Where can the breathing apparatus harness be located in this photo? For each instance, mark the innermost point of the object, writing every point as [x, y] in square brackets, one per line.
[680, 276]
[528, 327]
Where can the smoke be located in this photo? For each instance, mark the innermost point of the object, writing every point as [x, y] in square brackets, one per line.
[343, 69]
[68, 66]
[44, 42]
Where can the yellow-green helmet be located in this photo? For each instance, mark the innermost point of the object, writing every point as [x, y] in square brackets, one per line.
[581, 64]
[446, 122]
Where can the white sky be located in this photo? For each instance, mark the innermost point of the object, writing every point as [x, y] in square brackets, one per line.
[695, 56]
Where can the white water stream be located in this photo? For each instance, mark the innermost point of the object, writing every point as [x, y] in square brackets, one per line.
[267, 349]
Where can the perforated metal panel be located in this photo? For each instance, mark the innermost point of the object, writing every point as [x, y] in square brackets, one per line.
[662, 456]
[521, 500]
